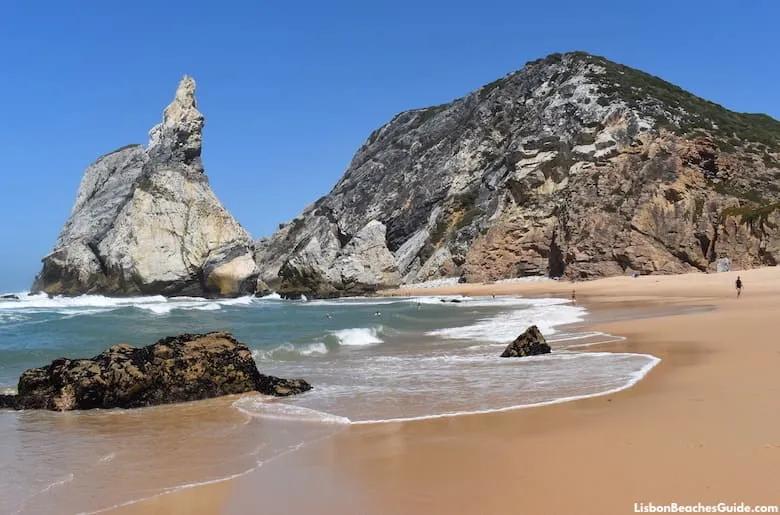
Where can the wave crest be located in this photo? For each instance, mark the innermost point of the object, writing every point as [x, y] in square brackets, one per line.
[358, 336]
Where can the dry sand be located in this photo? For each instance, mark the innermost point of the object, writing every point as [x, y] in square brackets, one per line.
[703, 426]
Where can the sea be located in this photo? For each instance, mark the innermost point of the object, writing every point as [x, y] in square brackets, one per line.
[371, 361]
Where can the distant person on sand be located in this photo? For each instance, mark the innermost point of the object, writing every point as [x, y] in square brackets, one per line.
[738, 284]
[574, 296]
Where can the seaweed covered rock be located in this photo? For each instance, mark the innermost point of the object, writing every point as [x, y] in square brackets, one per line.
[180, 368]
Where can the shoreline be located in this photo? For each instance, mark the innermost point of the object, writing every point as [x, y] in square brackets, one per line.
[140, 505]
[693, 430]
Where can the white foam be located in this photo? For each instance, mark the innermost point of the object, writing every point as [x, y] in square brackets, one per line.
[484, 302]
[108, 457]
[67, 479]
[358, 336]
[211, 306]
[633, 379]
[43, 301]
[505, 327]
[238, 301]
[6, 317]
[271, 296]
[314, 348]
[90, 304]
[265, 407]
[290, 350]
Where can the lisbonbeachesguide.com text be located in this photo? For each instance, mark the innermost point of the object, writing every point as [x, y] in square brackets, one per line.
[740, 507]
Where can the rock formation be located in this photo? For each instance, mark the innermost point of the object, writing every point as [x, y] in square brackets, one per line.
[146, 221]
[324, 267]
[530, 343]
[573, 166]
[175, 369]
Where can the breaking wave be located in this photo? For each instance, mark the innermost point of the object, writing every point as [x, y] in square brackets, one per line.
[290, 351]
[13, 310]
[358, 337]
[264, 407]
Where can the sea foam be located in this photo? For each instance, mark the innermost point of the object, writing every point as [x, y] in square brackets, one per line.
[546, 314]
[268, 408]
[290, 351]
[90, 304]
[358, 336]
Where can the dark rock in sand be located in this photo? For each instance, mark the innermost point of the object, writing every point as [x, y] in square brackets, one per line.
[530, 343]
[7, 401]
[180, 368]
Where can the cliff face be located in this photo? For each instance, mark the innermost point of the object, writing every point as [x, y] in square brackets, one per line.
[146, 221]
[573, 166]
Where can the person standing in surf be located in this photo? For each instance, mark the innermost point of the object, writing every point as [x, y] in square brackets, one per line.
[738, 284]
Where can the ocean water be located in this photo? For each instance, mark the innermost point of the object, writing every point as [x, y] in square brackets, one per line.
[370, 361]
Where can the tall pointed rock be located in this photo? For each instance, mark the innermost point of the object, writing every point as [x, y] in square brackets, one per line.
[146, 221]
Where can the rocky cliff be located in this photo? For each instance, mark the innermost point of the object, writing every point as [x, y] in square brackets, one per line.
[573, 166]
[146, 221]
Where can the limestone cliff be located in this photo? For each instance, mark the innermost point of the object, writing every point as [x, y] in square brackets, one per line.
[573, 166]
[146, 221]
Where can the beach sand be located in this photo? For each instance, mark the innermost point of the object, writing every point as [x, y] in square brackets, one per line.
[702, 426]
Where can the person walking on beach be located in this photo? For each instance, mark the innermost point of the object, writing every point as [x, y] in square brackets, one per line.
[738, 284]
[574, 296]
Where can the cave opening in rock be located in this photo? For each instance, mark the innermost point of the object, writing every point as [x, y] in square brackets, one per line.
[555, 261]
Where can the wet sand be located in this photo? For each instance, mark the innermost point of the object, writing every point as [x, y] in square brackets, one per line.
[703, 426]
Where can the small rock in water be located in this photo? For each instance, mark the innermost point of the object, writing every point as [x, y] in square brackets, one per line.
[180, 368]
[9, 297]
[530, 343]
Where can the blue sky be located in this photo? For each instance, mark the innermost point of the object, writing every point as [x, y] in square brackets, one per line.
[291, 91]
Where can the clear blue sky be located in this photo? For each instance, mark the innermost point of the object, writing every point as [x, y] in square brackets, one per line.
[291, 89]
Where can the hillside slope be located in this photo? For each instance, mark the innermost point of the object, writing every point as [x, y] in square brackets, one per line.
[573, 166]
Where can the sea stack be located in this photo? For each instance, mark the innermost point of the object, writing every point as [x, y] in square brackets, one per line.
[146, 221]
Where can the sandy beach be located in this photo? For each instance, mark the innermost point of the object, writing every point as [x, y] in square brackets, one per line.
[702, 426]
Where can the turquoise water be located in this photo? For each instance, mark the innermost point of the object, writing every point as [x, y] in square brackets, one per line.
[370, 361]
[36, 330]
